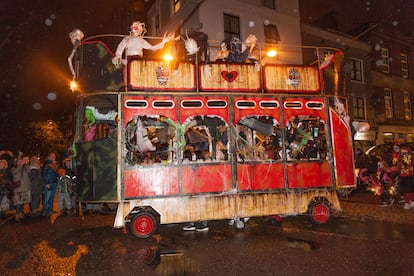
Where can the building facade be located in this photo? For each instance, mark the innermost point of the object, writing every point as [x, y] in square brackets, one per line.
[272, 22]
[357, 77]
[382, 83]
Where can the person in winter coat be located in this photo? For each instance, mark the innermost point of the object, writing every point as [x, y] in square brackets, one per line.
[66, 187]
[5, 185]
[37, 185]
[385, 181]
[49, 177]
[22, 186]
[405, 165]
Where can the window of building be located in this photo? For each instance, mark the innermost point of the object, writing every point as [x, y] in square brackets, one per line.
[404, 65]
[271, 34]
[358, 108]
[385, 56]
[407, 105]
[231, 26]
[357, 72]
[388, 103]
[176, 5]
[271, 4]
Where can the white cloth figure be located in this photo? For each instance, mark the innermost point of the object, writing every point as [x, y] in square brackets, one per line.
[110, 115]
[135, 43]
[143, 142]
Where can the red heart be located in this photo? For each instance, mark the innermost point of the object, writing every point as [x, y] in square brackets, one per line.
[229, 76]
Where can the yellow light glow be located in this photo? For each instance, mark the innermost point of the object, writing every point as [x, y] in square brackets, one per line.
[271, 53]
[168, 57]
[73, 86]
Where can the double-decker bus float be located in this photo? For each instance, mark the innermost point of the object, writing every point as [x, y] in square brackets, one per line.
[192, 139]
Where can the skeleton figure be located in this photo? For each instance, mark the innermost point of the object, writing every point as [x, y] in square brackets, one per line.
[135, 43]
[340, 109]
[224, 52]
[191, 46]
[75, 37]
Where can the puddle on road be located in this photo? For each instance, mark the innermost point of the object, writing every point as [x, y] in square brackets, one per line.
[169, 262]
[301, 244]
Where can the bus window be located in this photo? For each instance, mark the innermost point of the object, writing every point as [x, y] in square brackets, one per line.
[305, 138]
[149, 139]
[258, 138]
[99, 119]
[206, 139]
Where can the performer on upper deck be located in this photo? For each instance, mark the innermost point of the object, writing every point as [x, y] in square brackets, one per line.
[135, 43]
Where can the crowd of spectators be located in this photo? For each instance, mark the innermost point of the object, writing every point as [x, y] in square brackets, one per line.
[28, 185]
[388, 173]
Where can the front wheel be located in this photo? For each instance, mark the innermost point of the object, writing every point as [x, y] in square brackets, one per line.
[143, 225]
[320, 212]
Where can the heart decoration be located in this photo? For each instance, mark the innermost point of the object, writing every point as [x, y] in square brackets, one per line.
[229, 76]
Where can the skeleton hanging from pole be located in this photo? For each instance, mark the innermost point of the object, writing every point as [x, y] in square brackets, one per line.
[76, 37]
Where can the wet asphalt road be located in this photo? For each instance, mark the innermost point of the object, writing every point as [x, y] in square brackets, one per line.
[89, 245]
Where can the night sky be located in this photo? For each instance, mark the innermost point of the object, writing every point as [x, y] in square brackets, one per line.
[35, 45]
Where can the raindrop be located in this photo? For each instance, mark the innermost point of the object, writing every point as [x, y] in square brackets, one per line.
[338, 40]
[368, 3]
[48, 22]
[390, 59]
[266, 22]
[53, 16]
[367, 9]
[251, 24]
[51, 96]
[395, 23]
[37, 106]
[377, 47]
[379, 62]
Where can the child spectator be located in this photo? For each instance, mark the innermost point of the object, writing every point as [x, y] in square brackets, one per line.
[64, 188]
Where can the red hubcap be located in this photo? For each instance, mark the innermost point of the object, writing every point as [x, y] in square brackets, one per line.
[143, 225]
[320, 213]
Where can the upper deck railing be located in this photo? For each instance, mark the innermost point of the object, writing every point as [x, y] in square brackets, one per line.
[311, 70]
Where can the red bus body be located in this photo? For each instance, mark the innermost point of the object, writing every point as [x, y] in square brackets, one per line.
[224, 145]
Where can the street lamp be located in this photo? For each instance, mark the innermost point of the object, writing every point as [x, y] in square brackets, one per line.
[50, 123]
[271, 53]
[73, 86]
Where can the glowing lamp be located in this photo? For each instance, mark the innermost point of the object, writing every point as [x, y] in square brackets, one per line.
[271, 53]
[168, 57]
[73, 86]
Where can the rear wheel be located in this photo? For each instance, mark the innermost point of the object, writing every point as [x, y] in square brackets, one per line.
[143, 225]
[320, 212]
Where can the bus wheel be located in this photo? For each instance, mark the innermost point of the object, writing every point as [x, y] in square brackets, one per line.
[143, 225]
[319, 212]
